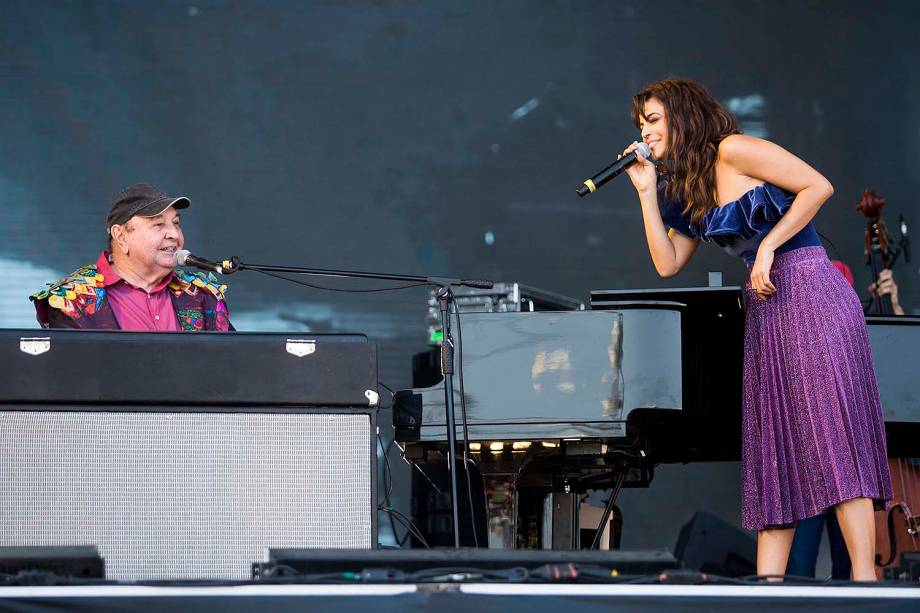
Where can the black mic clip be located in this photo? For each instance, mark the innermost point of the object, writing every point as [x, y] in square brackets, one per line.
[230, 266]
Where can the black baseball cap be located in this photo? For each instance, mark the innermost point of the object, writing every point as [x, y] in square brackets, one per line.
[141, 200]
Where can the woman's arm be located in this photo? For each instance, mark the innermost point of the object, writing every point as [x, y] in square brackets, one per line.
[670, 251]
[766, 161]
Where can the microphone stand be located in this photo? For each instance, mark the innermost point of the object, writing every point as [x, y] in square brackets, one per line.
[445, 297]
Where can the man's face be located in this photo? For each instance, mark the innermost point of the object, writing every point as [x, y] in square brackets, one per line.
[152, 242]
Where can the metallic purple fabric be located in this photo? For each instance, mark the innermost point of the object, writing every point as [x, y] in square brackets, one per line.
[814, 434]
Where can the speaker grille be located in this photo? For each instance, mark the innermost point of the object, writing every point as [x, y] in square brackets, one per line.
[185, 495]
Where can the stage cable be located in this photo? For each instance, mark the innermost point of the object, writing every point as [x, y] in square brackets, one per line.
[405, 521]
[388, 478]
[339, 289]
[389, 389]
[388, 484]
[387, 481]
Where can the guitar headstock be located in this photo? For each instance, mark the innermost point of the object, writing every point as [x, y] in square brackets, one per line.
[878, 252]
[871, 204]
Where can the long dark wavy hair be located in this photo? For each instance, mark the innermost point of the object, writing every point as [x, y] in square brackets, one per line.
[697, 123]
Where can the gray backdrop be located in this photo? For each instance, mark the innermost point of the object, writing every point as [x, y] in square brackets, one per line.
[395, 136]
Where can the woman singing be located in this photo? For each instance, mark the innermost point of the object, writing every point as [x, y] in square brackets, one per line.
[814, 436]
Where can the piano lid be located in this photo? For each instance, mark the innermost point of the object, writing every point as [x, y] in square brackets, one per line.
[895, 354]
[555, 373]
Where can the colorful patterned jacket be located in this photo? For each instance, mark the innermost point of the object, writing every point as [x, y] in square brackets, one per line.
[79, 301]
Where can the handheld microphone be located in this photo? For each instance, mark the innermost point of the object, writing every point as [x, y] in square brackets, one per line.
[185, 258]
[590, 185]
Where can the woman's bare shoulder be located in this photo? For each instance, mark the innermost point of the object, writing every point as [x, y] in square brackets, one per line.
[735, 145]
[765, 161]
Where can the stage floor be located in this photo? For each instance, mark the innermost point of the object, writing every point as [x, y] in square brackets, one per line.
[440, 598]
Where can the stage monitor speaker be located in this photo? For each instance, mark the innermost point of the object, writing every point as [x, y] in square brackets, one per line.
[323, 561]
[72, 562]
[187, 493]
[710, 544]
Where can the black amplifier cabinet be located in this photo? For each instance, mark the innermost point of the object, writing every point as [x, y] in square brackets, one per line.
[186, 456]
[207, 368]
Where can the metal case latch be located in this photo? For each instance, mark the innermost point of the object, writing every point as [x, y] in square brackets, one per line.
[35, 346]
[300, 347]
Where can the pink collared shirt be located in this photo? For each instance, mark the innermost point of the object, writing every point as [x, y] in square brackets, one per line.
[134, 308]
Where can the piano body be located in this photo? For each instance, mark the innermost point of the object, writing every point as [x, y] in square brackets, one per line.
[558, 403]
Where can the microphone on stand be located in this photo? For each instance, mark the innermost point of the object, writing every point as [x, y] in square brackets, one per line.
[184, 257]
[590, 185]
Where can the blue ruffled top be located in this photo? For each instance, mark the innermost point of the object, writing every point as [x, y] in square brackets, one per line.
[740, 226]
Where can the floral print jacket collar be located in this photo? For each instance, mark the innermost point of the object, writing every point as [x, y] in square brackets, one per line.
[79, 301]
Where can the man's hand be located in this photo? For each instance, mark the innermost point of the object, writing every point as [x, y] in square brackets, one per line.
[885, 286]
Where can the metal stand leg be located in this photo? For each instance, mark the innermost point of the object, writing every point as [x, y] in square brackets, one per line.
[609, 508]
[445, 296]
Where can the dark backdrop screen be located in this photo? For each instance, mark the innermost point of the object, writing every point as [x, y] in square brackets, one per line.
[423, 137]
[441, 138]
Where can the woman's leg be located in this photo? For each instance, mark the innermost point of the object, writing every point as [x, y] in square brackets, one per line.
[773, 550]
[841, 568]
[857, 522]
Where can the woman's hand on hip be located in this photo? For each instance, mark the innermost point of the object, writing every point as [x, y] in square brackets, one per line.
[760, 274]
[642, 173]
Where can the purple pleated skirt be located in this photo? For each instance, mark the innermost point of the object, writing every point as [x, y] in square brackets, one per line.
[814, 434]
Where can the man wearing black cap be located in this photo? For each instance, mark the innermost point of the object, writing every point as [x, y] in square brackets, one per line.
[135, 285]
